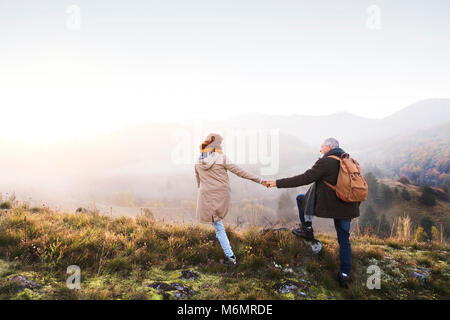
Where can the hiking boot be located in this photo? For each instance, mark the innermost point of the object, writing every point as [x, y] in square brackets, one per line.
[306, 233]
[343, 280]
[229, 261]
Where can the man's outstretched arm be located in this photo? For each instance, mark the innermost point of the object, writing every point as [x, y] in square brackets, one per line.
[316, 173]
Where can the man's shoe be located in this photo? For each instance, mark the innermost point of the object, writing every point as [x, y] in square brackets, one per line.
[306, 233]
[343, 280]
[229, 261]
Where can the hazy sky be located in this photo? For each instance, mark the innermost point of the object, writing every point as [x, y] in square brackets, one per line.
[136, 61]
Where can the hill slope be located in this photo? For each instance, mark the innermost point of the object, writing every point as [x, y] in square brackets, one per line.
[348, 128]
[126, 258]
[139, 159]
[423, 157]
[439, 213]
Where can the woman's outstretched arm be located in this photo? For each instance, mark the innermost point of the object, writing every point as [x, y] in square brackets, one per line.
[241, 172]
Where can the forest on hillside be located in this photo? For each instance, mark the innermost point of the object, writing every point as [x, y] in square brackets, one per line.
[393, 204]
[423, 158]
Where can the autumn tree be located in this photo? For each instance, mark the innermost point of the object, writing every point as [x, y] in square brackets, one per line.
[386, 196]
[384, 227]
[286, 208]
[369, 218]
[405, 195]
[372, 183]
[427, 223]
[427, 198]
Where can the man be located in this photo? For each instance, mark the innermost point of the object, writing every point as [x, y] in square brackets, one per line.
[327, 204]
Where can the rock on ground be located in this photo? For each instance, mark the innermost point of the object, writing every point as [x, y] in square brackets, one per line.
[182, 290]
[189, 275]
[24, 283]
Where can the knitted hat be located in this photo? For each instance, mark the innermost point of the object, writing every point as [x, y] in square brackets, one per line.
[212, 140]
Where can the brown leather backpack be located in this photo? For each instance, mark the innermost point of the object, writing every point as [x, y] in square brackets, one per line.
[350, 186]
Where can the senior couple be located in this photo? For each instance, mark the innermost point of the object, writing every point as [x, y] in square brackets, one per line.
[214, 196]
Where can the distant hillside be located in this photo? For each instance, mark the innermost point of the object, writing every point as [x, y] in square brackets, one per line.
[423, 157]
[135, 159]
[138, 159]
[439, 213]
[349, 129]
[393, 200]
[421, 115]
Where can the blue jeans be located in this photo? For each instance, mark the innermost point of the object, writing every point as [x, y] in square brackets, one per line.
[223, 239]
[342, 227]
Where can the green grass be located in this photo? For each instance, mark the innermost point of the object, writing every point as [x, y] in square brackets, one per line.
[120, 257]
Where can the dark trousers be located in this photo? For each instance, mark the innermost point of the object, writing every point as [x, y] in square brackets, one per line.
[342, 227]
[301, 214]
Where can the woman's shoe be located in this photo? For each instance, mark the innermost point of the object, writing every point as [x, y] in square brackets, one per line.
[229, 261]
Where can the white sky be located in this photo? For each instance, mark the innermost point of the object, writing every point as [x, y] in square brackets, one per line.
[139, 61]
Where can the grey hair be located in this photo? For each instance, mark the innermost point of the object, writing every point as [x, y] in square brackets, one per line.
[332, 142]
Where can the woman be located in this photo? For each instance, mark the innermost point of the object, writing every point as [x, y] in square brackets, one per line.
[213, 199]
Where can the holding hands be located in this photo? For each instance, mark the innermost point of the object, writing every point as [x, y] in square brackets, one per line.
[269, 183]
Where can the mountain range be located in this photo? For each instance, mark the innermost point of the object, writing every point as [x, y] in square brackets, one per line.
[140, 158]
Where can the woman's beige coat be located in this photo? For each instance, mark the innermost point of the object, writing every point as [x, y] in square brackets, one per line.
[214, 191]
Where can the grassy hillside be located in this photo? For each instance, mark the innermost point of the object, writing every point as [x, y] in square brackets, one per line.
[122, 258]
[399, 207]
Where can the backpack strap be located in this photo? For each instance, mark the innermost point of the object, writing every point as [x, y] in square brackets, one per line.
[327, 183]
[330, 185]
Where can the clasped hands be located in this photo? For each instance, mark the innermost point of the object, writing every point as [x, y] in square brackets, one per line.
[269, 183]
